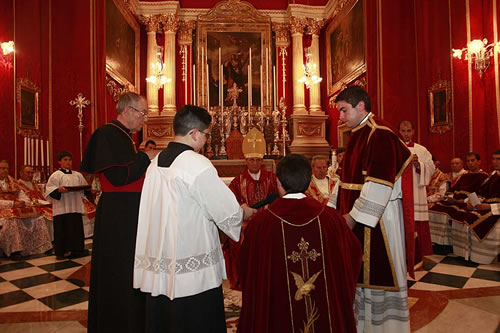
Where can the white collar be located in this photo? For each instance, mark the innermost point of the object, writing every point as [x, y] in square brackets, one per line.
[320, 180]
[294, 196]
[365, 118]
[255, 176]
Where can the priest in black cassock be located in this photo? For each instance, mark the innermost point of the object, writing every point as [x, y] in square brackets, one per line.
[114, 306]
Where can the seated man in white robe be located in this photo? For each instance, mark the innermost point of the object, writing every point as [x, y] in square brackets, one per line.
[178, 257]
[22, 229]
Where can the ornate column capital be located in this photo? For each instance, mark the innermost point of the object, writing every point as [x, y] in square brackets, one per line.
[152, 22]
[282, 31]
[185, 32]
[297, 25]
[170, 22]
[314, 26]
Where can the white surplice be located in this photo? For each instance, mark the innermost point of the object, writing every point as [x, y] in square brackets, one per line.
[70, 202]
[178, 251]
[421, 180]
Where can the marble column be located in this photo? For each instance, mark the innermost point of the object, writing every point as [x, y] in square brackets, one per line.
[314, 28]
[185, 40]
[152, 23]
[297, 26]
[170, 24]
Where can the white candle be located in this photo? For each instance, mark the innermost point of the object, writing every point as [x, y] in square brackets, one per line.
[221, 96]
[261, 91]
[194, 85]
[208, 90]
[202, 76]
[25, 150]
[275, 95]
[267, 76]
[48, 159]
[36, 151]
[41, 153]
[250, 79]
[32, 152]
[220, 80]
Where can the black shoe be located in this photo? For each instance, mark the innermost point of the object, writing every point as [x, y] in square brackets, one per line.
[49, 252]
[60, 258]
[79, 254]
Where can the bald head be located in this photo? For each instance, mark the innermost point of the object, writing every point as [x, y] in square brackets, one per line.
[456, 164]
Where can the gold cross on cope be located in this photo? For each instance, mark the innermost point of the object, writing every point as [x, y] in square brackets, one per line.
[254, 140]
[303, 256]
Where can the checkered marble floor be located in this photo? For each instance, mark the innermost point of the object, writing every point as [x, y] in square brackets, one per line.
[42, 283]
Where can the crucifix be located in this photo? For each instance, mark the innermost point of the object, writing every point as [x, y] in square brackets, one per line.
[254, 140]
[79, 103]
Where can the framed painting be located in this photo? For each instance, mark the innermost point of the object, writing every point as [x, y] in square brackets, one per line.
[241, 35]
[28, 111]
[122, 45]
[345, 44]
[439, 105]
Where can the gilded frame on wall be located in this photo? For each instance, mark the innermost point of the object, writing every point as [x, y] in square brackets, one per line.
[439, 105]
[234, 26]
[345, 45]
[122, 45]
[27, 95]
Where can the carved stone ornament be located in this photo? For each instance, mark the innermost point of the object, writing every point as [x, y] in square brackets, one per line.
[314, 26]
[185, 32]
[282, 31]
[152, 22]
[234, 11]
[297, 24]
[114, 89]
[309, 129]
[170, 22]
[159, 131]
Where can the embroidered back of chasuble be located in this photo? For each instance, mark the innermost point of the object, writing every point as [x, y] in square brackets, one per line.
[306, 276]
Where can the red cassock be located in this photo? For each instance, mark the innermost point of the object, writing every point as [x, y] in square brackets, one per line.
[250, 191]
[299, 266]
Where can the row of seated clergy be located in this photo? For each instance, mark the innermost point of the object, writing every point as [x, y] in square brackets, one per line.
[35, 196]
[474, 234]
[22, 226]
[321, 186]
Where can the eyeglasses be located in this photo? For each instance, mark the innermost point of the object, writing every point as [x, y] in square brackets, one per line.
[143, 113]
[207, 135]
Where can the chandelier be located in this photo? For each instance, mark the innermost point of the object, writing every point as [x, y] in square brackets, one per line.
[311, 75]
[158, 71]
[7, 47]
[478, 51]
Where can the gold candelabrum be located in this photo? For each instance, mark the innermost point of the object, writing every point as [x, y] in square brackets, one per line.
[226, 119]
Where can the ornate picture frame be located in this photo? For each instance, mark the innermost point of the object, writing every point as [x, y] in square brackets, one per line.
[439, 104]
[122, 45]
[346, 46]
[27, 95]
[235, 27]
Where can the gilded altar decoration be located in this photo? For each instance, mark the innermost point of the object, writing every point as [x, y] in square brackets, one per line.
[345, 46]
[439, 105]
[297, 25]
[114, 89]
[152, 22]
[185, 32]
[27, 94]
[122, 45]
[282, 31]
[170, 22]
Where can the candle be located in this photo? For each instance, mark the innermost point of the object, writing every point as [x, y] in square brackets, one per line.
[261, 91]
[41, 154]
[267, 76]
[208, 89]
[48, 159]
[275, 95]
[25, 150]
[194, 85]
[32, 152]
[221, 96]
[36, 152]
[203, 77]
[220, 80]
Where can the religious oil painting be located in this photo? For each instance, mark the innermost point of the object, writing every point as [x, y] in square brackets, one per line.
[27, 98]
[345, 44]
[243, 36]
[122, 45]
[439, 105]
[236, 49]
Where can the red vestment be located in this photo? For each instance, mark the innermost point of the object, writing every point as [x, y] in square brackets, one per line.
[11, 194]
[250, 191]
[436, 180]
[295, 241]
[374, 153]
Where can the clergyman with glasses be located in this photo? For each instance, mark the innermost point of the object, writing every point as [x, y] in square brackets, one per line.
[179, 263]
[111, 154]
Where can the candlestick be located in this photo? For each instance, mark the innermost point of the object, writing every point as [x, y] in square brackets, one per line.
[41, 153]
[208, 90]
[48, 160]
[36, 152]
[194, 85]
[25, 150]
[267, 77]
[32, 152]
[275, 88]
[202, 78]
[220, 80]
